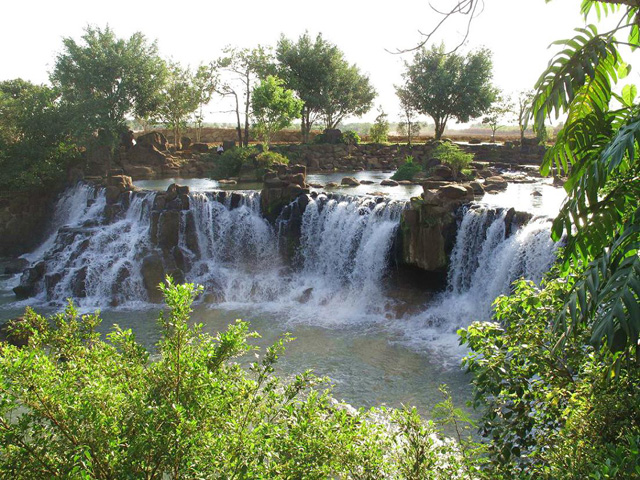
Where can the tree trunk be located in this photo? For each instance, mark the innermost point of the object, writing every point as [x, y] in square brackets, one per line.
[246, 112]
[239, 127]
[439, 127]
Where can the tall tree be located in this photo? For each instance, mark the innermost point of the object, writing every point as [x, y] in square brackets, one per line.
[408, 124]
[103, 79]
[244, 68]
[35, 141]
[274, 108]
[329, 86]
[446, 86]
[183, 94]
[205, 81]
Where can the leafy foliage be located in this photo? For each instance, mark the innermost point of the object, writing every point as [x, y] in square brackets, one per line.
[274, 108]
[407, 170]
[229, 163]
[446, 86]
[550, 414]
[35, 146]
[75, 406]
[379, 131]
[598, 148]
[103, 79]
[329, 86]
[452, 155]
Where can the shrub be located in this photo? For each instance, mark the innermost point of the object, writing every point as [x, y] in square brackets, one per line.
[551, 412]
[229, 163]
[407, 170]
[268, 158]
[350, 137]
[73, 405]
[379, 131]
[452, 155]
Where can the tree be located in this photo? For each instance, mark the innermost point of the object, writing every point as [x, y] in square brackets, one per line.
[246, 66]
[274, 108]
[501, 107]
[408, 125]
[449, 86]
[379, 131]
[35, 142]
[329, 86]
[204, 81]
[183, 94]
[104, 79]
[525, 99]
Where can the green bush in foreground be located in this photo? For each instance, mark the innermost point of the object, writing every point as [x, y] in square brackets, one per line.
[75, 406]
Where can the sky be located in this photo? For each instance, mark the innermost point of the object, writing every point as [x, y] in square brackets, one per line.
[518, 32]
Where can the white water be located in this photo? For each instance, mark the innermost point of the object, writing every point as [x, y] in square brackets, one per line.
[485, 261]
[335, 280]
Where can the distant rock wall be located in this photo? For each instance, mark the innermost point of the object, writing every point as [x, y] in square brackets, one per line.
[319, 158]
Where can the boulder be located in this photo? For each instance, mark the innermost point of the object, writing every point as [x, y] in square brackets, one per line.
[185, 143]
[200, 148]
[366, 182]
[455, 192]
[349, 182]
[331, 185]
[122, 182]
[146, 155]
[477, 187]
[495, 184]
[442, 171]
[16, 265]
[153, 139]
[389, 183]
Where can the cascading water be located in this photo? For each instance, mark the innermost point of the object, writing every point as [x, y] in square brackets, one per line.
[486, 259]
[98, 252]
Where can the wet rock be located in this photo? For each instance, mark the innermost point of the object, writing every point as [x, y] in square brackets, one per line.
[168, 229]
[366, 182]
[350, 182]
[332, 185]
[30, 281]
[495, 184]
[305, 296]
[316, 185]
[477, 188]
[152, 276]
[50, 282]
[191, 233]
[389, 183]
[16, 265]
[79, 283]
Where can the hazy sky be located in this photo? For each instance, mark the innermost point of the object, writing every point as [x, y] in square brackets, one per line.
[517, 31]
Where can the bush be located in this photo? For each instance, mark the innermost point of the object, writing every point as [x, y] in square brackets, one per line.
[407, 170]
[379, 131]
[75, 406]
[229, 163]
[452, 155]
[551, 412]
[268, 158]
[350, 137]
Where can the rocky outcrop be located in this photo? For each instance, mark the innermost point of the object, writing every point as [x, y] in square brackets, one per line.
[428, 226]
[280, 188]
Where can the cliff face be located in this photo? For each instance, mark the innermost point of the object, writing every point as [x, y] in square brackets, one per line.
[428, 227]
[24, 218]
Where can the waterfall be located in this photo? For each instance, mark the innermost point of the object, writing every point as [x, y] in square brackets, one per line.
[97, 251]
[489, 254]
